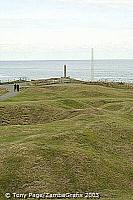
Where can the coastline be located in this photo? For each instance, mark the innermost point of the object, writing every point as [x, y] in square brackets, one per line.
[104, 70]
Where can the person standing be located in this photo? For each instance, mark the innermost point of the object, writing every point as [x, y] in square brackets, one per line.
[18, 88]
[15, 87]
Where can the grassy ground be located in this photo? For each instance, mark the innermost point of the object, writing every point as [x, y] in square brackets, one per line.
[67, 138]
[2, 91]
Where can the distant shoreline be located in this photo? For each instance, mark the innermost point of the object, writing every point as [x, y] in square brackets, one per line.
[36, 60]
[68, 80]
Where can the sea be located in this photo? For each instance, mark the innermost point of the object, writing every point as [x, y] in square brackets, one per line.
[120, 70]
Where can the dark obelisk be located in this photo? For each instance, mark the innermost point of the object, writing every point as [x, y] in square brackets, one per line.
[65, 71]
[92, 65]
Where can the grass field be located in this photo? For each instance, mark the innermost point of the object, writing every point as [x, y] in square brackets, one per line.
[2, 91]
[67, 138]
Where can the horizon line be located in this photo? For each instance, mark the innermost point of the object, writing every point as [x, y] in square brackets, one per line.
[66, 59]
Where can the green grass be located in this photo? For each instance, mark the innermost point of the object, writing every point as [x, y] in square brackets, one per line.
[67, 138]
[2, 91]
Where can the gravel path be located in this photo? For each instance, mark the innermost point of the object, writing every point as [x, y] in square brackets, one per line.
[10, 93]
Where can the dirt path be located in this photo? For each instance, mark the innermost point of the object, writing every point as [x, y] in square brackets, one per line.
[10, 93]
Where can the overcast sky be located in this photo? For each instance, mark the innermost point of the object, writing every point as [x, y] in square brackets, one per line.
[65, 29]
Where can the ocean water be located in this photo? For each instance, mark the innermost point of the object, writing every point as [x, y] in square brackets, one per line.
[111, 70]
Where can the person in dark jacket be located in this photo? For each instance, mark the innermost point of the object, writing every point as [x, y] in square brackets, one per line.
[15, 87]
[18, 88]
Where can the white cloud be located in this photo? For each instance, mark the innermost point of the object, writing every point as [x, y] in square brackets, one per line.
[113, 3]
[72, 25]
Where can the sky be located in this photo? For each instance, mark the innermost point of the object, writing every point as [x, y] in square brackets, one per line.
[66, 29]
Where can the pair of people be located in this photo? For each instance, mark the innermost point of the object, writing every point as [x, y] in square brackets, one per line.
[16, 87]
